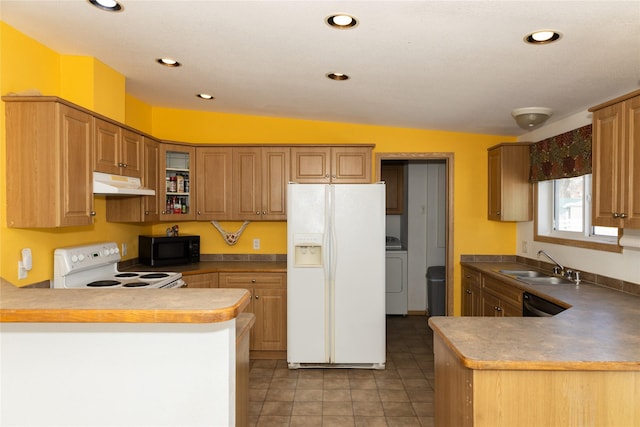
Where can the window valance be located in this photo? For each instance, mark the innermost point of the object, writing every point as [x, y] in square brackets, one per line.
[562, 156]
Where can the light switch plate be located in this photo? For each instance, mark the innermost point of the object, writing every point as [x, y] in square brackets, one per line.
[256, 244]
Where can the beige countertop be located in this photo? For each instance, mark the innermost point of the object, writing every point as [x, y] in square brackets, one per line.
[218, 267]
[600, 331]
[176, 305]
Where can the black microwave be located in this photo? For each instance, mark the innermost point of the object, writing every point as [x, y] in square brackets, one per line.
[158, 251]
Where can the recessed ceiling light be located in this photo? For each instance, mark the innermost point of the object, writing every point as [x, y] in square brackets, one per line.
[341, 21]
[205, 96]
[168, 62]
[108, 5]
[337, 76]
[542, 37]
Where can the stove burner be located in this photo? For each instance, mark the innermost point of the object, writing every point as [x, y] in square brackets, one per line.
[103, 283]
[127, 275]
[135, 285]
[154, 276]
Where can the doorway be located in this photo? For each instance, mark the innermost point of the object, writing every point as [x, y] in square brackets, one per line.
[447, 160]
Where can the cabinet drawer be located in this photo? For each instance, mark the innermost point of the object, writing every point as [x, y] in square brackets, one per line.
[204, 280]
[237, 280]
[505, 292]
[471, 276]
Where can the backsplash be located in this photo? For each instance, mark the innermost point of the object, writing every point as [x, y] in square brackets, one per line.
[585, 276]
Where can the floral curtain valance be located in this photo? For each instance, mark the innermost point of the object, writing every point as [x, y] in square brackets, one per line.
[562, 156]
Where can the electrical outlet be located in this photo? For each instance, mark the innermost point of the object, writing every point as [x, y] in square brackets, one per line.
[256, 244]
[524, 247]
[124, 249]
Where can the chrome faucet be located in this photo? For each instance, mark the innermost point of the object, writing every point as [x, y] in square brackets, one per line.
[558, 269]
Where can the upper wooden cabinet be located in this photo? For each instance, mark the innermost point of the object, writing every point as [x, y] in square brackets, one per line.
[214, 180]
[616, 162]
[510, 192]
[140, 208]
[176, 182]
[49, 163]
[116, 150]
[393, 176]
[331, 164]
[260, 177]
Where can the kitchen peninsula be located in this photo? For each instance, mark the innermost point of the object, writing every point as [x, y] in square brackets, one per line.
[121, 357]
[578, 368]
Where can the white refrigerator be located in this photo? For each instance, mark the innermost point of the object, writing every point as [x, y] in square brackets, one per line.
[336, 275]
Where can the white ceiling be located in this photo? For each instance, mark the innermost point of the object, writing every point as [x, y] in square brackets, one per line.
[449, 65]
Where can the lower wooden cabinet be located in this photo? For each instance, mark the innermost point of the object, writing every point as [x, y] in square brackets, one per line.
[268, 303]
[203, 280]
[485, 296]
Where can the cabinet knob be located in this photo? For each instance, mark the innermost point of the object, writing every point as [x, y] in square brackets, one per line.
[257, 297]
[257, 212]
[253, 280]
[498, 308]
[498, 213]
[199, 213]
[92, 213]
[468, 291]
[146, 212]
[468, 276]
[616, 215]
[264, 212]
[124, 165]
[623, 215]
[327, 176]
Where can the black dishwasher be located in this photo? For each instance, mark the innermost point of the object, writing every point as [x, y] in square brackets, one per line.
[535, 306]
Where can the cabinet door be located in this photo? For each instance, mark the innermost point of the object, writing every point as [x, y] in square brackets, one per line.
[247, 183]
[214, 183]
[393, 176]
[131, 156]
[106, 143]
[275, 176]
[490, 305]
[350, 165]
[510, 310]
[311, 165]
[510, 194]
[270, 308]
[470, 292]
[495, 185]
[177, 161]
[150, 179]
[632, 202]
[607, 180]
[76, 190]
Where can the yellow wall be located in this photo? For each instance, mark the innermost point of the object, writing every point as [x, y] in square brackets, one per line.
[94, 85]
[27, 64]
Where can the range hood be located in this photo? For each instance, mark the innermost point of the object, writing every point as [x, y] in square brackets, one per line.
[118, 185]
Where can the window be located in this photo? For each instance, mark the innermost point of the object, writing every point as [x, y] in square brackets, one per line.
[563, 215]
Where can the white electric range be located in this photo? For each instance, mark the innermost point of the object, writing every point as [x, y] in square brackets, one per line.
[95, 266]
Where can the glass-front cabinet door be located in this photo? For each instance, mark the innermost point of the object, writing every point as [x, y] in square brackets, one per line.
[177, 162]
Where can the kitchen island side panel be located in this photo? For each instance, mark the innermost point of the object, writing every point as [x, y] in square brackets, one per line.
[107, 374]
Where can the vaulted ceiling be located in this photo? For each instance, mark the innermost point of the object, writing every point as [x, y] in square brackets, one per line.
[448, 65]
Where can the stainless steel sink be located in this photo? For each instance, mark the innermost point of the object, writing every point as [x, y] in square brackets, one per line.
[533, 277]
[547, 280]
[523, 273]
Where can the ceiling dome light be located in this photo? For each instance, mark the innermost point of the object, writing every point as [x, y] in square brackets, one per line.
[168, 62]
[337, 76]
[108, 5]
[341, 21]
[205, 96]
[542, 37]
[531, 117]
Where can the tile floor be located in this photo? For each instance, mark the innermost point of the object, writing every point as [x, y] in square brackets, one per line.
[400, 395]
